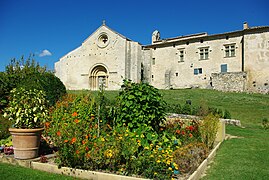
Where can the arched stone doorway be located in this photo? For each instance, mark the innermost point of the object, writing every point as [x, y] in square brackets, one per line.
[98, 77]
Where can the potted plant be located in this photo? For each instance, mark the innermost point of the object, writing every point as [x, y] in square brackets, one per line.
[27, 110]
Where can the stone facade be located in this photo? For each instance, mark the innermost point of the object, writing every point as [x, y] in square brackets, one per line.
[107, 57]
[230, 81]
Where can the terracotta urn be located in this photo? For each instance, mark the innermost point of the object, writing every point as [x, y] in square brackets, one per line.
[26, 142]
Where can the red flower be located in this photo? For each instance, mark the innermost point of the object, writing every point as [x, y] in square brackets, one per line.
[73, 140]
[191, 128]
[83, 142]
[183, 132]
[47, 124]
[76, 121]
[77, 151]
[190, 135]
[75, 114]
[178, 131]
[58, 133]
[87, 149]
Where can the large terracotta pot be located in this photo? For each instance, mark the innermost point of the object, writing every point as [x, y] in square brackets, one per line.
[26, 142]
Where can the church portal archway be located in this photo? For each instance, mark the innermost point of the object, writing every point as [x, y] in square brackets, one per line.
[98, 77]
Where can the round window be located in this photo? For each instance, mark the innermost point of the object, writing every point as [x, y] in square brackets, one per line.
[103, 40]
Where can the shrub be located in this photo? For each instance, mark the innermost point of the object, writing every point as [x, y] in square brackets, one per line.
[140, 104]
[208, 129]
[189, 157]
[4, 125]
[71, 127]
[4, 90]
[27, 108]
[29, 75]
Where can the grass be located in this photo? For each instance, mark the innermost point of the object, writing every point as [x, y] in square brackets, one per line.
[242, 158]
[249, 108]
[12, 172]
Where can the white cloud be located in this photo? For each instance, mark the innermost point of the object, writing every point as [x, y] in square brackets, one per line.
[45, 52]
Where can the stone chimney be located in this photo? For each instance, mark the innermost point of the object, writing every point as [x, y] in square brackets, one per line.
[245, 25]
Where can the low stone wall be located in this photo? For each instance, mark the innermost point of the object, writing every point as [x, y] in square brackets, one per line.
[173, 116]
[230, 81]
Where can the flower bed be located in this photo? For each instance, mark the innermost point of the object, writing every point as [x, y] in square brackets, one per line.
[93, 136]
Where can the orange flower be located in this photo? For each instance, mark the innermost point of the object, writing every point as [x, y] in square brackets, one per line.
[73, 140]
[66, 141]
[86, 136]
[88, 155]
[190, 135]
[75, 114]
[94, 136]
[77, 151]
[58, 133]
[87, 149]
[47, 124]
[83, 142]
[76, 121]
[178, 131]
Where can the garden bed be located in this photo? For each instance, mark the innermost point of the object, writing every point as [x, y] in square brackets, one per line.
[51, 167]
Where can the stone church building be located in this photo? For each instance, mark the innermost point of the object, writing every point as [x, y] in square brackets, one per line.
[232, 61]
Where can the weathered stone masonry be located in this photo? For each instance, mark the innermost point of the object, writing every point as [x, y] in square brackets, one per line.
[233, 61]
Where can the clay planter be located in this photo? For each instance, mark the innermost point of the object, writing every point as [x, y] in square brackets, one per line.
[26, 142]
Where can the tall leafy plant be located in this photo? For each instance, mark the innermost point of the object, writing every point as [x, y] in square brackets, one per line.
[140, 104]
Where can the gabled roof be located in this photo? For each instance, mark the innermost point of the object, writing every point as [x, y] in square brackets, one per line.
[104, 25]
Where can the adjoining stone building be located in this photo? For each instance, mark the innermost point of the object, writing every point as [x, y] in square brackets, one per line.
[233, 61]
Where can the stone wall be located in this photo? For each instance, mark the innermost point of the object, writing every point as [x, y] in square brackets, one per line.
[230, 81]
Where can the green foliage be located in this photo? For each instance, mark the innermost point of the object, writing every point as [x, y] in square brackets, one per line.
[4, 90]
[27, 108]
[208, 129]
[189, 157]
[29, 75]
[140, 104]
[6, 141]
[72, 124]
[4, 125]
[265, 123]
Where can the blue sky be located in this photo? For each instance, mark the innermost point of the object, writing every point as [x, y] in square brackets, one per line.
[51, 28]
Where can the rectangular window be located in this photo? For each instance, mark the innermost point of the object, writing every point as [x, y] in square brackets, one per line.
[152, 77]
[204, 53]
[181, 55]
[153, 61]
[223, 68]
[230, 50]
[198, 71]
[176, 74]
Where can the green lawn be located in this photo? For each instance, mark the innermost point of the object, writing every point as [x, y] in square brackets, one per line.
[11, 172]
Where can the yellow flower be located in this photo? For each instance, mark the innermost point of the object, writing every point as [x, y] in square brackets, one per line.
[158, 161]
[155, 173]
[120, 137]
[127, 130]
[170, 168]
[146, 148]
[142, 136]
[102, 139]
